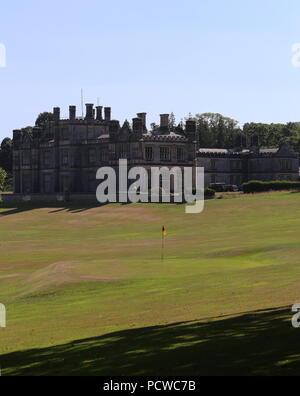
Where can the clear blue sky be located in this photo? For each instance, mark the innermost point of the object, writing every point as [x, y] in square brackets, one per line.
[232, 57]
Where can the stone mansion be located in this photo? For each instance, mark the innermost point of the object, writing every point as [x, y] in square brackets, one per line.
[63, 155]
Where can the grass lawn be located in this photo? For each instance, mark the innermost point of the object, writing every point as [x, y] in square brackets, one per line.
[87, 293]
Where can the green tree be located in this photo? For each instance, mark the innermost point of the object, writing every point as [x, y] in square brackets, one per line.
[272, 135]
[172, 122]
[44, 118]
[216, 131]
[6, 156]
[3, 177]
[154, 126]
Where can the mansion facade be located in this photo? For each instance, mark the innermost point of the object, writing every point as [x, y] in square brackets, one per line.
[63, 155]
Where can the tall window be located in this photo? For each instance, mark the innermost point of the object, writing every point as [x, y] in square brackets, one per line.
[104, 155]
[92, 156]
[236, 165]
[65, 133]
[26, 158]
[92, 182]
[180, 154]
[65, 183]
[149, 153]
[65, 158]
[47, 158]
[91, 133]
[47, 183]
[213, 164]
[165, 154]
[124, 151]
[286, 165]
[27, 184]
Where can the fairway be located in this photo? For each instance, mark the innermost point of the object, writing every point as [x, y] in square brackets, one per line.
[87, 293]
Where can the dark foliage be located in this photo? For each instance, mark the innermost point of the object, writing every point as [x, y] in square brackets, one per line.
[259, 186]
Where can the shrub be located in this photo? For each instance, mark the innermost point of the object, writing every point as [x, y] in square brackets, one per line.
[256, 186]
[209, 193]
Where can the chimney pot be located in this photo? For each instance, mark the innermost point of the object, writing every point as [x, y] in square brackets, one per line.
[143, 116]
[137, 125]
[72, 113]
[164, 122]
[56, 113]
[89, 111]
[107, 112]
[191, 130]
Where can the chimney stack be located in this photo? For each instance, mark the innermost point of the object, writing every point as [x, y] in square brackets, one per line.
[56, 114]
[89, 111]
[107, 112]
[114, 127]
[137, 125]
[17, 137]
[72, 113]
[143, 116]
[164, 122]
[191, 130]
[99, 116]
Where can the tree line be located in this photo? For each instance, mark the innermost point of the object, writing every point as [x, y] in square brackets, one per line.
[217, 131]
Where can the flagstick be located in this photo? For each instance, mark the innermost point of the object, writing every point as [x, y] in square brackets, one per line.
[163, 248]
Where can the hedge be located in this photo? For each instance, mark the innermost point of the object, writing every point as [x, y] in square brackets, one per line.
[259, 186]
[209, 193]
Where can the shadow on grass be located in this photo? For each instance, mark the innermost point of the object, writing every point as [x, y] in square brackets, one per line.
[9, 209]
[256, 343]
